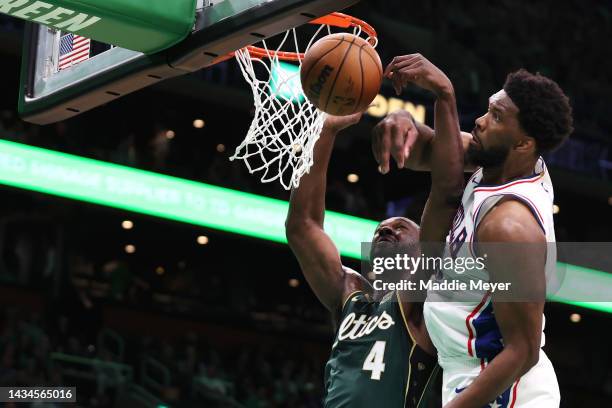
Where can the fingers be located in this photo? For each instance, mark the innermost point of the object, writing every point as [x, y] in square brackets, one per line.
[404, 69]
[376, 139]
[354, 118]
[385, 151]
[381, 142]
[400, 79]
[339, 123]
[401, 62]
[393, 138]
[397, 145]
[377, 146]
[389, 68]
[411, 138]
[407, 63]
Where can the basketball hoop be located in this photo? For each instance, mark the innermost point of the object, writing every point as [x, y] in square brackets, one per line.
[286, 126]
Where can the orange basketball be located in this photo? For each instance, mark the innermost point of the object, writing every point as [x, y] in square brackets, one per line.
[341, 74]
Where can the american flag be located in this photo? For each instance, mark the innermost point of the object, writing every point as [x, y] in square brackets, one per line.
[73, 49]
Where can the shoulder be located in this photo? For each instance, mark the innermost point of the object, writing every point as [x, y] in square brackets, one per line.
[510, 221]
[356, 279]
[354, 283]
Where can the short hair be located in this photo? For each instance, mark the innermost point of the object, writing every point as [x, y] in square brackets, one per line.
[544, 109]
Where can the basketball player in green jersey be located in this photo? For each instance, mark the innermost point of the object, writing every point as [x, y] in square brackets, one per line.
[382, 355]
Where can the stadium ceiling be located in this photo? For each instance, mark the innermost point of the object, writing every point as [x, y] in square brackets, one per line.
[158, 195]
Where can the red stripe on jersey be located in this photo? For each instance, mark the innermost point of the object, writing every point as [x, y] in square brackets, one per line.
[514, 183]
[514, 392]
[468, 322]
[521, 198]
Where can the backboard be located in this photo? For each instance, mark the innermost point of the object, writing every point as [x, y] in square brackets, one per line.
[54, 89]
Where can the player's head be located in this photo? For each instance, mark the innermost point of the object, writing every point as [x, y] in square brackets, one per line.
[396, 229]
[394, 234]
[531, 115]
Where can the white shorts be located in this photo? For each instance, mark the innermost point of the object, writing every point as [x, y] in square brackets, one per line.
[536, 389]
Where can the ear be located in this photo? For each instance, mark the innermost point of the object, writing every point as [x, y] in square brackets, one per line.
[525, 144]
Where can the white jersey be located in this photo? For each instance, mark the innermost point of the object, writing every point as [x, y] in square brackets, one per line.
[465, 333]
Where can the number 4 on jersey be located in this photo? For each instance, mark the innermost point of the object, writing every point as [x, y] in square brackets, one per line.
[374, 362]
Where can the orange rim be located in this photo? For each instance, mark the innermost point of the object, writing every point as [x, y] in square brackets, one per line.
[334, 19]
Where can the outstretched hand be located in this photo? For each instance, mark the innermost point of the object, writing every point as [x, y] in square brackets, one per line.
[416, 69]
[394, 137]
[337, 123]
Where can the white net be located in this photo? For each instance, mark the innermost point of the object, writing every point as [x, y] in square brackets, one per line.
[286, 126]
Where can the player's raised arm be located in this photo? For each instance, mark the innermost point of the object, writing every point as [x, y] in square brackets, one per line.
[315, 251]
[445, 148]
[398, 137]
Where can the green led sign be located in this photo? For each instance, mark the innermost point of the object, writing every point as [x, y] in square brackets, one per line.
[163, 196]
[158, 195]
[285, 82]
[584, 283]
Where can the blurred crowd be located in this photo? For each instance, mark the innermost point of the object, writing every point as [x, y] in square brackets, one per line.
[479, 42]
[42, 350]
[25, 346]
[255, 377]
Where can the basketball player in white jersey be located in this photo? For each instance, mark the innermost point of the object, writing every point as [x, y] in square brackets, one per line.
[490, 350]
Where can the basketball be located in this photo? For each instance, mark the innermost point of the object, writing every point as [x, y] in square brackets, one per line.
[341, 74]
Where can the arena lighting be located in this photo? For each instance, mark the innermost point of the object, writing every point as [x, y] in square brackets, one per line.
[78, 178]
[127, 224]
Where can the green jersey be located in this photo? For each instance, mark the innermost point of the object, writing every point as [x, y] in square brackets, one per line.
[375, 361]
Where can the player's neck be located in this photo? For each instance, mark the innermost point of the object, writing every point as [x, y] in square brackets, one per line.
[379, 294]
[510, 170]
